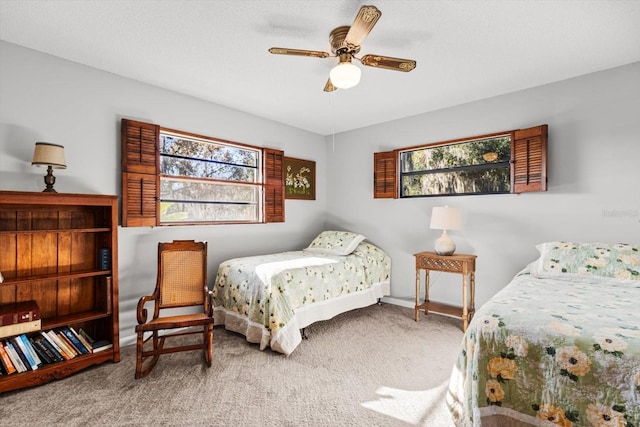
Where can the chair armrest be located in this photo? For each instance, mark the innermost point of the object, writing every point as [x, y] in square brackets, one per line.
[209, 303]
[142, 312]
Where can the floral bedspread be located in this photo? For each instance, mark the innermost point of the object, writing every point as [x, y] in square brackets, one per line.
[258, 296]
[550, 351]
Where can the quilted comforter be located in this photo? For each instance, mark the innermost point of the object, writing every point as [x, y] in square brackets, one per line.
[268, 298]
[555, 349]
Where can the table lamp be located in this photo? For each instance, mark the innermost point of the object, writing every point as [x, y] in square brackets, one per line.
[50, 156]
[445, 218]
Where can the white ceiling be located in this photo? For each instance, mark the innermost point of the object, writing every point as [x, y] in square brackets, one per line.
[216, 50]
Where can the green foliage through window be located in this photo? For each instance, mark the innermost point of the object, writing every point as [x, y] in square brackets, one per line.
[478, 166]
[208, 181]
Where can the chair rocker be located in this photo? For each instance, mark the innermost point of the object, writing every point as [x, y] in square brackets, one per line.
[181, 283]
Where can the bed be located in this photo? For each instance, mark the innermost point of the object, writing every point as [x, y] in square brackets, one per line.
[559, 345]
[270, 298]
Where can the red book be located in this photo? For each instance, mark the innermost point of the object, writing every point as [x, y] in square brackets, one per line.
[20, 312]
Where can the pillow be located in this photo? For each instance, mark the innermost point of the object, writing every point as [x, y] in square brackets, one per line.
[602, 261]
[335, 242]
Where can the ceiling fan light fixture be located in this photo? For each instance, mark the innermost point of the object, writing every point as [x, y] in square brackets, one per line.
[345, 75]
[346, 42]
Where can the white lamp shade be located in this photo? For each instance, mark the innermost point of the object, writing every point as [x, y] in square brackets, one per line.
[345, 75]
[48, 154]
[445, 218]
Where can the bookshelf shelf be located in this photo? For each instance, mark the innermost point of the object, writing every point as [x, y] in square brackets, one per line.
[51, 253]
[65, 230]
[70, 319]
[54, 277]
[55, 371]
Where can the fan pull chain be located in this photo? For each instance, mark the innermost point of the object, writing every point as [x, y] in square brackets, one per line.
[333, 123]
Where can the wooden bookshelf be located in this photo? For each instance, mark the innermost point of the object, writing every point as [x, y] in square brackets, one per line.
[50, 252]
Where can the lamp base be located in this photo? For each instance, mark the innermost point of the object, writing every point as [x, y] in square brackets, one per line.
[49, 180]
[444, 245]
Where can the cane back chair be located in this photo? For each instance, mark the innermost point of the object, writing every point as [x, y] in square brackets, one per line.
[181, 283]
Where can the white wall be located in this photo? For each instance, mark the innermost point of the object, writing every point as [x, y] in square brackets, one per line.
[594, 151]
[594, 180]
[44, 98]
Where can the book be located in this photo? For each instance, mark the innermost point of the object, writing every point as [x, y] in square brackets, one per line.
[101, 345]
[72, 348]
[20, 312]
[49, 336]
[27, 345]
[86, 336]
[55, 353]
[42, 351]
[15, 359]
[74, 340]
[21, 348]
[84, 342]
[20, 328]
[62, 343]
[6, 361]
[25, 362]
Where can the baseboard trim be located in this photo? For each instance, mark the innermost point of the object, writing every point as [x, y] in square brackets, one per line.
[411, 305]
[397, 301]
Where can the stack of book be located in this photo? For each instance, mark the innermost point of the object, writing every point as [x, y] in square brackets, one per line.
[25, 347]
[19, 318]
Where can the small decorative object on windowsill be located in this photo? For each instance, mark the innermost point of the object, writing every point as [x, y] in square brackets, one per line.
[50, 156]
[490, 156]
[445, 218]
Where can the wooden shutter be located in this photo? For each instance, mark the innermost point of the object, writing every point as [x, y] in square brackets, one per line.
[385, 184]
[529, 160]
[140, 175]
[273, 185]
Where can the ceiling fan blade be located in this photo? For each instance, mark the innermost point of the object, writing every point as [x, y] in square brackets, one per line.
[363, 24]
[298, 52]
[388, 63]
[329, 87]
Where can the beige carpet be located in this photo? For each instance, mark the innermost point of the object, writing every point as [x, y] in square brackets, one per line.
[370, 367]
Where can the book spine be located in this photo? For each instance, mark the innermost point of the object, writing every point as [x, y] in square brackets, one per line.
[30, 349]
[41, 350]
[102, 345]
[25, 351]
[6, 361]
[63, 344]
[49, 336]
[25, 361]
[74, 341]
[19, 312]
[19, 317]
[67, 343]
[54, 352]
[20, 328]
[86, 336]
[13, 355]
[82, 340]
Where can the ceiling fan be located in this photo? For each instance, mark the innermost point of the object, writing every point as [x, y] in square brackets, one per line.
[345, 44]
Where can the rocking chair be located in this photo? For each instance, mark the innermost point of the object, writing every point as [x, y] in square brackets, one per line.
[181, 283]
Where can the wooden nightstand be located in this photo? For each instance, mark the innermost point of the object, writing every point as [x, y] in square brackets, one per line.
[456, 263]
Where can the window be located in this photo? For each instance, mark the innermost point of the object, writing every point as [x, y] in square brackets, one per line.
[470, 167]
[506, 162]
[208, 181]
[172, 178]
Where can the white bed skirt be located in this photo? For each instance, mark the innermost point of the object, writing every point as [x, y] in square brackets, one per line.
[289, 337]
